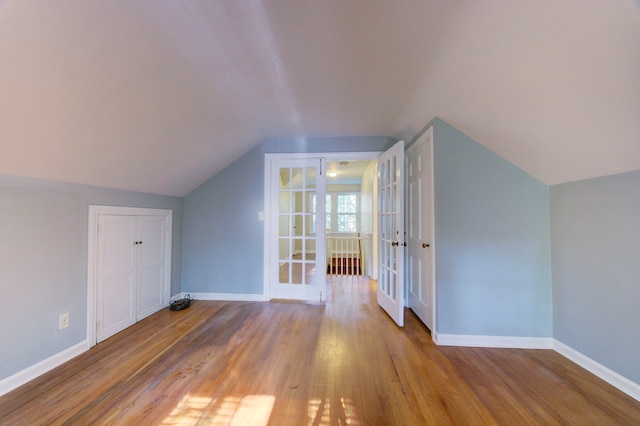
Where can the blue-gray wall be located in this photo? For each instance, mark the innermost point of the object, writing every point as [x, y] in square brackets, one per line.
[43, 263]
[492, 242]
[595, 240]
[223, 244]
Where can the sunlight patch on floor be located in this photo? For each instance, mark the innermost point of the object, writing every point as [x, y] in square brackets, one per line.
[319, 413]
[254, 410]
[251, 410]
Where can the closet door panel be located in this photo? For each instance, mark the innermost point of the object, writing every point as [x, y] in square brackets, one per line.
[117, 275]
[151, 265]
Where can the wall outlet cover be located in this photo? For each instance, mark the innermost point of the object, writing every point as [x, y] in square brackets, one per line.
[63, 321]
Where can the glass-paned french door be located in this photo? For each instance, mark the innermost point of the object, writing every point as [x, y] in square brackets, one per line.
[298, 264]
[391, 232]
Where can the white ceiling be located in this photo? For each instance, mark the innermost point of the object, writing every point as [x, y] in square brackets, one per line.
[348, 172]
[159, 96]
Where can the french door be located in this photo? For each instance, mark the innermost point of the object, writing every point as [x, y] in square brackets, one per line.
[391, 232]
[298, 263]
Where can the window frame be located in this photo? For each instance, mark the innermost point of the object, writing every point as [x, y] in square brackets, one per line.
[334, 214]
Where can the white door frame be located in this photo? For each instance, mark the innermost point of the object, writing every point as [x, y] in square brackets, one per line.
[269, 162]
[94, 212]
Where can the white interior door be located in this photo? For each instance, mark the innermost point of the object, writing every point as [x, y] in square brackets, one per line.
[391, 232]
[116, 275]
[298, 263]
[421, 279]
[151, 265]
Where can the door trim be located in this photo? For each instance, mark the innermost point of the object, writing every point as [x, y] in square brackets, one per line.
[269, 161]
[94, 212]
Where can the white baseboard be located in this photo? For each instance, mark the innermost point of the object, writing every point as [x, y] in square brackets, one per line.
[493, 341]
[21, 377]
[618, 381]
[234, 297]
[622, 383]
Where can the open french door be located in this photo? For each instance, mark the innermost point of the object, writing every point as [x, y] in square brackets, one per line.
[391, 232]
[298, 238]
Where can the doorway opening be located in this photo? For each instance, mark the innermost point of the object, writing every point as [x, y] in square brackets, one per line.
[350, 223]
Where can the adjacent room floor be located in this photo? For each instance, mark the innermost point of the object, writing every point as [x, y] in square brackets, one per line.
[278, 363]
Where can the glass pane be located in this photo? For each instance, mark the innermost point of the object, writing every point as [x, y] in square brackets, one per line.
[347, 203]
[285, 178]
[284, 201]
[298, 201]
[392, 198]
[310, 177]
[385, 254]
[327, 209]
[283, 225]
[310, 224]
[393, 230]
[309, 199]
[387, 179]
[296, 273]
[296, 178]
[284, 273]
[310, 248]
[392, 285]
[384, 201]
[297, 225]
[309, 273]
[283, 249]
[392, 258]
[392, 170]
[387, 228]
[297, 249]
[384, 281]
[347, 222]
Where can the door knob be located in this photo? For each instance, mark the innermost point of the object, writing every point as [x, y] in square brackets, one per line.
[404, 244]
[394, 243]
[425, 245]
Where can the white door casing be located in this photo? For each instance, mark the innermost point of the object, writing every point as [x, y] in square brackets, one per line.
[129, 267]
[391, 232]
[420, 229]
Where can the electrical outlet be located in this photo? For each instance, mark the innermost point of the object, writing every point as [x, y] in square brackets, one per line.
[63, 321]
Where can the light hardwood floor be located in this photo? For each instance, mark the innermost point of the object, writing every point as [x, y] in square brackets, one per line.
[280, 363]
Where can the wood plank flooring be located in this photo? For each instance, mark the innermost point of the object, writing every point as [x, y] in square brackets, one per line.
[277, 363]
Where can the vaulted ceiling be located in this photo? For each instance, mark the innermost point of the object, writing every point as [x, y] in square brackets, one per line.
[158, 96]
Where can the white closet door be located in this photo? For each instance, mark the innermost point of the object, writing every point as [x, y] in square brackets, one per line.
[116, 274]
[132, 260]
[151, 265]
[421, 277]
